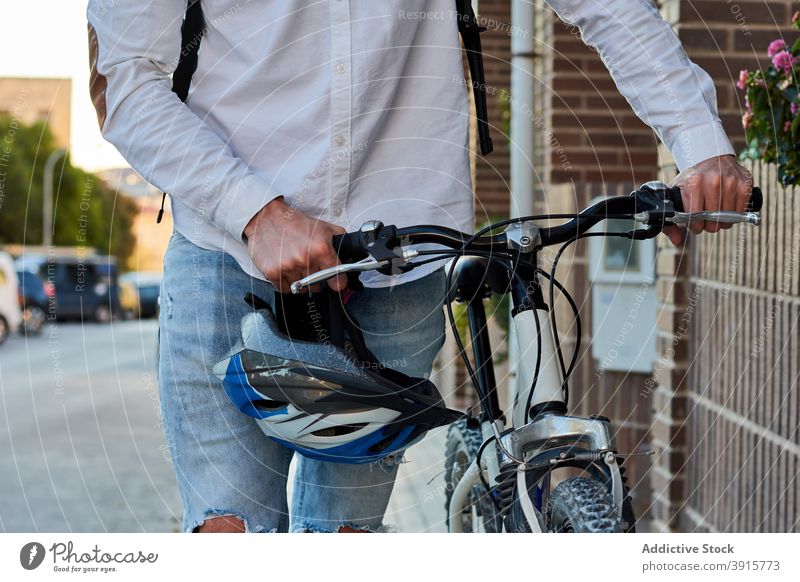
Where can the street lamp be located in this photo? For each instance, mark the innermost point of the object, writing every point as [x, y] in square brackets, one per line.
[47, 204]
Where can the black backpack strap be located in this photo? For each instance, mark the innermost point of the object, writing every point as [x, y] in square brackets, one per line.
[470, 35]
[191, 34]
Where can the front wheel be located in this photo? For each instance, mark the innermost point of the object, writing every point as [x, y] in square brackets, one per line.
[581, 505]
[479, 513]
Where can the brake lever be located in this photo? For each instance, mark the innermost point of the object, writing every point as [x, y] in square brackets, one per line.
[367, 264]
[726, 216]
[684, 218]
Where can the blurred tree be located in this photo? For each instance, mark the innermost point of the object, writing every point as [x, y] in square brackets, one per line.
[86, 212]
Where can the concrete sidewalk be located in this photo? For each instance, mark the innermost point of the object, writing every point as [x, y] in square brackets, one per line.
[417, 503]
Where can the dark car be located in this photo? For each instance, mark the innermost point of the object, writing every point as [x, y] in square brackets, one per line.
[148, 288]
[85, 286]
[36, 298]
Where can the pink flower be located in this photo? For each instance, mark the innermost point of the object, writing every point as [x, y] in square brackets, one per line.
[783, 61]
[793, 107]
[796, 18]
[742, 83]
[746, 119]
[776, 46]
[787, 126]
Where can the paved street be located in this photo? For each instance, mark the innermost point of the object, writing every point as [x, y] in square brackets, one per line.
[81, 444]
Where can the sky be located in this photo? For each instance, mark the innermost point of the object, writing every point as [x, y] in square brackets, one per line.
[49, 40]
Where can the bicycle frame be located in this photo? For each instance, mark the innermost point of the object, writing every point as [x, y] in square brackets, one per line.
[551, 429]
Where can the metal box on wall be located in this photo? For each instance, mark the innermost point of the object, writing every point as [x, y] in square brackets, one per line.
[624, 303]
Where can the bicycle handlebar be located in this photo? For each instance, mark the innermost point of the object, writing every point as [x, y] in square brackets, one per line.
[378, 247]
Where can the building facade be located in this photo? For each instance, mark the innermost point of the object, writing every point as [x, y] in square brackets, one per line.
[719, 407]
[31, 99]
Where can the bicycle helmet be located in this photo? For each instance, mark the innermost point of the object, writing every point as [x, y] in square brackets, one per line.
[320, 400]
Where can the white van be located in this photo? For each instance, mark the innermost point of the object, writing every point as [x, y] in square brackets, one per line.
[10, 313]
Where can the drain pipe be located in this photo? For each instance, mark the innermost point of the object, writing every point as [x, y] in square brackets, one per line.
[521, 105]
[523, 47]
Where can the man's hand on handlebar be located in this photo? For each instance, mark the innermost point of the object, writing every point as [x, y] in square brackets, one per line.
[716, 184]
[286, 245]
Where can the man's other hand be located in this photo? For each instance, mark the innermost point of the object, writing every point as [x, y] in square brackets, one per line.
[286, 245]
[715, 184]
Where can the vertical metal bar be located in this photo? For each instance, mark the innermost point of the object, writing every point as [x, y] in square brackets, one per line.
[482, 354]
[47, 204]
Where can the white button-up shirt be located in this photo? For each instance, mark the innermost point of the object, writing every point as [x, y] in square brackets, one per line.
[352, 110]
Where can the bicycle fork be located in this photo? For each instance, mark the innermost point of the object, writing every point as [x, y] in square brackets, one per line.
[527, 453]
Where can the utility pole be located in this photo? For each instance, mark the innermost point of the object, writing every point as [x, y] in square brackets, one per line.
[47, 204]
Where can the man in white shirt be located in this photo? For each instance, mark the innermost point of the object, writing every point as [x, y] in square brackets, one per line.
[305, 120]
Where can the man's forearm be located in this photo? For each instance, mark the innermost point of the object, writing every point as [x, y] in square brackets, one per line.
[650, 68]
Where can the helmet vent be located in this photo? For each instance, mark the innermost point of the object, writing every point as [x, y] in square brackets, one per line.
[268, 404]
[342, 429]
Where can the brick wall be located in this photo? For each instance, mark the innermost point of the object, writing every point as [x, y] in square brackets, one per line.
[600, 138]
[728, 447]
[724, 420]
[741, 471]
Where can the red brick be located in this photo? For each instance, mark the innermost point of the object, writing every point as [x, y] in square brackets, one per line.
[601, 177]
[611, 102]
[710, 39]
[569, 139]
[564, 176]
[591, 87]
[567, 100]
[629, 140]
[641, 159]
[591, 160]
[714, 11]
[722, 67]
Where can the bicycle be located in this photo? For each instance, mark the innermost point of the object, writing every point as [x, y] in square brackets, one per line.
[500, 478]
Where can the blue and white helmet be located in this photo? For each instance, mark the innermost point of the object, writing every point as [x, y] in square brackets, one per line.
[322, 402]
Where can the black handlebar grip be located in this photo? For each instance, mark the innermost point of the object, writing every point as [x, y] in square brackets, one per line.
[349, 246]
[674, 195]
[755, 204]
[756, 200]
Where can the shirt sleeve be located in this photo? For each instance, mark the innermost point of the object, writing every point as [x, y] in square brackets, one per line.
[666, 90]
[133, 50]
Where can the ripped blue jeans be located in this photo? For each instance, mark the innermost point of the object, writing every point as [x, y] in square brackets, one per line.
[225, 465]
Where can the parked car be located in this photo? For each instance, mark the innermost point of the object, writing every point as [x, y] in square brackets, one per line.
[35, 298]
[128, 299]
[85, 286]
[147, 287]
[10, 313]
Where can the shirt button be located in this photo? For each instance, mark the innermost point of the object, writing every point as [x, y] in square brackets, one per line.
[339, 140]
[341, 68]
[337, 212]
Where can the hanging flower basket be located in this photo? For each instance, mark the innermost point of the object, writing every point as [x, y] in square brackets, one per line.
[771, 120]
